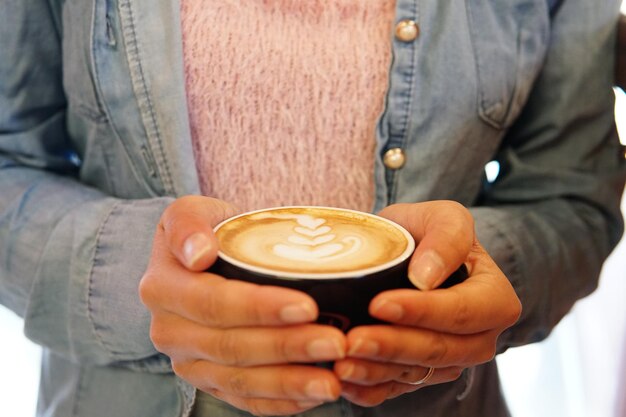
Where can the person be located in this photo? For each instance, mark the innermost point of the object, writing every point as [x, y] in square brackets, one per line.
[128, 129]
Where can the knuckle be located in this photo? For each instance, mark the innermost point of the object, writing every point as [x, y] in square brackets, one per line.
[283, 349]
[397, 390]
[515, 312]
[461, 222]
[460, 209]
[287, 388]
[375, 398]
[229, 349]
[150, 288]
[179, 368]
[255, 312]
[169, 214]
[159, 336]
[210, 309]
[237, 384]
[184, 202]
[456, 373]
[172, 215]
[254, 408]
[414, 373]
[225, 209]
[146, 288]
[438, 349]
[487, 353]
[462, 314]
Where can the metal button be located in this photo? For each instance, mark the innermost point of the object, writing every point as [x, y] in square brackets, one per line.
[407, 30]
[394, 158]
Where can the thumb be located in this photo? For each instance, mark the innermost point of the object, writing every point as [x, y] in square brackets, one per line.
[444, 232]
[187, 225]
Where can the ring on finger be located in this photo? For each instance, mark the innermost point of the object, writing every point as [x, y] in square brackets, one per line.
[425, 378]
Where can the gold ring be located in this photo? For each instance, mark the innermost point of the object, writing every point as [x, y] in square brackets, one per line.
[426, 377]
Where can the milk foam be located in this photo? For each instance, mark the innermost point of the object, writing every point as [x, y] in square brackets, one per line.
[305, 240]
[312, 242]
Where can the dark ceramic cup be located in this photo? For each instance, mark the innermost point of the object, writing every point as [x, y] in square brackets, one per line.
[342, 258]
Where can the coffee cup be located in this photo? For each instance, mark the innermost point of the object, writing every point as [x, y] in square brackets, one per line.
[341, 258]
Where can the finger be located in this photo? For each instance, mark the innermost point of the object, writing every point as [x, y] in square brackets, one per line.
[214, 301]
[286, 382]
[411, 346]
[373, 396]
[369, 373]
[187, 226]
[444, 231]
[247, 346]
[370, 396]
[485, 301]
[266, 407]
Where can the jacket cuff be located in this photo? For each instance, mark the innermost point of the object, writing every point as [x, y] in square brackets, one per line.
[120, 322]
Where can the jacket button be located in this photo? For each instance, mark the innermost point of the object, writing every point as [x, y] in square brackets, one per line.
[394, 158]
[407, 30]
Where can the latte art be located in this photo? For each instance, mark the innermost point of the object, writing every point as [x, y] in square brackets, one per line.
[312, 241]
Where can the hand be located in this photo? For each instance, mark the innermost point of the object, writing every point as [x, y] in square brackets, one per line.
[235, 340]
[446, 329]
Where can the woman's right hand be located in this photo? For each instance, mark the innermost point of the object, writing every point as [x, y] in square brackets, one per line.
[245, 344]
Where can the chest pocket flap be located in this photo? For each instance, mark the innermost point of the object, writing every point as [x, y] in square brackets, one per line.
[510, 41]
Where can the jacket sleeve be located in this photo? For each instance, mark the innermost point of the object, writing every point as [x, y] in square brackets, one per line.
[552, 216]
[70, 256]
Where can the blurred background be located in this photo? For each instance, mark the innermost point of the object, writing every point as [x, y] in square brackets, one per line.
[579, 371]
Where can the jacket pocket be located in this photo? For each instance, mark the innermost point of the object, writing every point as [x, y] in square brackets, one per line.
[78, 71]
[510, 40]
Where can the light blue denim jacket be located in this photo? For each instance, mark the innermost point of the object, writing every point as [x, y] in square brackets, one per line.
[95, 142]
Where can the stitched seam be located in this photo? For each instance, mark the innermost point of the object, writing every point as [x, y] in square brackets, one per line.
[107, 111]
[90, 313]
[155, 126]
[87, 112]
[141, 90]
[188, 397]
[471, 21]
[79, 392]
[92, 38]
[516, 275]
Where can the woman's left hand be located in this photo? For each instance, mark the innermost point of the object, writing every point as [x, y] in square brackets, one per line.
[447, 330]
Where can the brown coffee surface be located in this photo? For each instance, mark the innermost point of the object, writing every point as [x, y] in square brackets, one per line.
[311, 240]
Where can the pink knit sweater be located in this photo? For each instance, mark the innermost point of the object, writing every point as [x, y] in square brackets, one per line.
[283, 98]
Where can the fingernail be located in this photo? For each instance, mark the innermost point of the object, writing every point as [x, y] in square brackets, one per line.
[347, 372]
[364, 348]
[319, 390]
[387, 310]
[427, 270]
[353, 372]
[298, 313]
[325, 349]
[195, 247]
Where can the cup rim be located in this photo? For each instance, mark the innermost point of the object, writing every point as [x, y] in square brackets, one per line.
[359, 273]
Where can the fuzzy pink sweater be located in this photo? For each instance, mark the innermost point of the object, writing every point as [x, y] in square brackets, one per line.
[283, 98]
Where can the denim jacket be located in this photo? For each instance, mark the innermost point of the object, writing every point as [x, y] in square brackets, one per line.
[95, 142]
